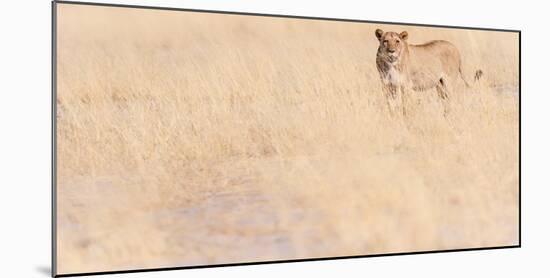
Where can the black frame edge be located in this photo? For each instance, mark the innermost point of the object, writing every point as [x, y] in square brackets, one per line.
[54, 139]
[285, 261]
[282, 16]
[519, 142]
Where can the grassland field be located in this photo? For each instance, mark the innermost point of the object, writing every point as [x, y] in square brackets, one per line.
[190, 138]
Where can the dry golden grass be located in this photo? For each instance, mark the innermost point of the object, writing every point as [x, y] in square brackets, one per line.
[188, 138]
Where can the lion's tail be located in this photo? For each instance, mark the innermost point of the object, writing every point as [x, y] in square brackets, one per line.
[477, 76]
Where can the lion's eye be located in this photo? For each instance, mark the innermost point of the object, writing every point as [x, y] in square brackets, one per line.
[385, 42]
[397, 42]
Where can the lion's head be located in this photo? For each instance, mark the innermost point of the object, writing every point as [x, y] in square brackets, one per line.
[392, 44]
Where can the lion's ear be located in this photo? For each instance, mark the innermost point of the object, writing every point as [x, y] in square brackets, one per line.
[404, 35]
[379, 33]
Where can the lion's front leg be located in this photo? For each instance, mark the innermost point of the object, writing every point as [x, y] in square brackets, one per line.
[404, 97]
[392, 95]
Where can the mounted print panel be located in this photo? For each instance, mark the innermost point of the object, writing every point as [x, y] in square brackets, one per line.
[191, 138]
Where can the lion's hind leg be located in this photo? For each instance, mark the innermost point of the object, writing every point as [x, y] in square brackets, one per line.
[442, 89]
[443, 92]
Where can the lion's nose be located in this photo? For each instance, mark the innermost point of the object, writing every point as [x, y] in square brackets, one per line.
[391, 50]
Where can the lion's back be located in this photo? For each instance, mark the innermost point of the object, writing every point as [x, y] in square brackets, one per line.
[437, 55]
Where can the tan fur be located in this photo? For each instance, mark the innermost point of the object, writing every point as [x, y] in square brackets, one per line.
[402, 66]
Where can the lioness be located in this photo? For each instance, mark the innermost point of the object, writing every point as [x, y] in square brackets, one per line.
[405, 66]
